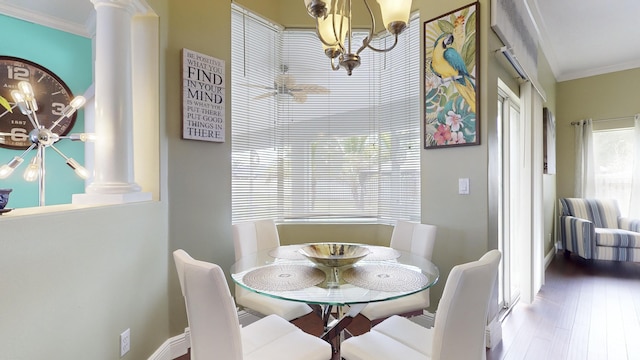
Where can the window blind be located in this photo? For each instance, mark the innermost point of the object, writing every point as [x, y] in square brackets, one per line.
[303, 153]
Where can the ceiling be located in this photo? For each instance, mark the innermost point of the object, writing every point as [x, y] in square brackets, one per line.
[582, 38]
[579, 38]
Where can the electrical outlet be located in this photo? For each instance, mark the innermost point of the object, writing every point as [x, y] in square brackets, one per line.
[125, 342]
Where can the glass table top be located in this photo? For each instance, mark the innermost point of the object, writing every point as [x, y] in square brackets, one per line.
[384, 274]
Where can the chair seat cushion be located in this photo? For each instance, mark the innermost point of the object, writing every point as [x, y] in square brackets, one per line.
[617, 238]
[407, 332]
[405, 304]
[263, 304]
[375, 345]
[275, 338]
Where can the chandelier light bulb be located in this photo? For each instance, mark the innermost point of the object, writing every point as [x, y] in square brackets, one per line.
[19, 99]
[74, 105]
[27, 90]
[328, 28]
[80, 170]
[33, 170]
[7, 169]
[395, 14]
[84, 137]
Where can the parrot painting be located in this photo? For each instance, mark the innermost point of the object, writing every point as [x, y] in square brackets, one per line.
[446, 62]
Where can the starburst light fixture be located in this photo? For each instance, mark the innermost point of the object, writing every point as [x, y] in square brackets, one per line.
[42, 138]
[333, 26]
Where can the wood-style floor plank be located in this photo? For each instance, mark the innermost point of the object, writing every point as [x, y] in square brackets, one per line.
[585, 310]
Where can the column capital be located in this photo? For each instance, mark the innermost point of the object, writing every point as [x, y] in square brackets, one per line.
[132, 6]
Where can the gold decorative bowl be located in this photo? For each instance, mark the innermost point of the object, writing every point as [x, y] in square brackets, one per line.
[334, 254]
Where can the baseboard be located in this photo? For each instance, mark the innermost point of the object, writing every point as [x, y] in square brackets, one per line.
[493, 333]
[426, 319]
[550, 255]
[179, 345]
[174, 347]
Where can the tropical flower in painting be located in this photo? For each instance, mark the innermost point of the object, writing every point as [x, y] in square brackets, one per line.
[457, 137]
[430, 83]
[454, 120]
[442, 135]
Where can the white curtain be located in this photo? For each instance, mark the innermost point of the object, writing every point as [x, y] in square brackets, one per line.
[634, 205]
[585, 184]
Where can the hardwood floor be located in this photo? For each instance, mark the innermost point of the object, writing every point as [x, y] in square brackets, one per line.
[586, 310]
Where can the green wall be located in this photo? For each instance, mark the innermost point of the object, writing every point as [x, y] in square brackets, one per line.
[68, 56]
[605, 96]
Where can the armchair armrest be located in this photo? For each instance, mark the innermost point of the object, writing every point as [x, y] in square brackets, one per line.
[629, 224]
[578, 236]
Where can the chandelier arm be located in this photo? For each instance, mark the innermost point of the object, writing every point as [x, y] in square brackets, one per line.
[57, 122]
[334, 66]
[395, 42]
[66, 158]
[369, 37]
[34, 121]
[28, 149]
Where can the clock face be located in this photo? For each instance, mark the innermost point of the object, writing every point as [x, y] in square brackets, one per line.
[52, 96]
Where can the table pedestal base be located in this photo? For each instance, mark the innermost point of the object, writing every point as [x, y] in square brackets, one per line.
[335, 329]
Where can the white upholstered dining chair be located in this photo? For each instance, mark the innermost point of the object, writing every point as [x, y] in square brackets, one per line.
[419, 240]
[215, 329]
[250, 237]
[459, 329]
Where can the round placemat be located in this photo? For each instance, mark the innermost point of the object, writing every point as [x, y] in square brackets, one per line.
[284, 277]
[382, 253]
[289, 252]
[385, 277]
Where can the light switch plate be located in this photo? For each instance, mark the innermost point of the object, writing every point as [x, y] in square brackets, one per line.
[463, 186]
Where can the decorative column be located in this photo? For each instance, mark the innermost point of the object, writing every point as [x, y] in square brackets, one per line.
[113, 180]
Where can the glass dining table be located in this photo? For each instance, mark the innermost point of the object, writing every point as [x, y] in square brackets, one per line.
[339, 292]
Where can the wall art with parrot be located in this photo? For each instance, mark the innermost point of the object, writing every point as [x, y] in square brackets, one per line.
[450, 79]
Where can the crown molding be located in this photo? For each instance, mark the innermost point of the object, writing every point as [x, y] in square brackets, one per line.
[573, 75]
[46, 20]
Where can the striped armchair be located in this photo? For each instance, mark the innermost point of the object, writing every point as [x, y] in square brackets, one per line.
[593, 229]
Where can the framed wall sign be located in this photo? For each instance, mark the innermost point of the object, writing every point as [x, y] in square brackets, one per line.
[451, 104]
[203, 97]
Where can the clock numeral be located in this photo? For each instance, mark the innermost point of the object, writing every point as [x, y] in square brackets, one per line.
[19, 134]
[56, 108]
[17, 73]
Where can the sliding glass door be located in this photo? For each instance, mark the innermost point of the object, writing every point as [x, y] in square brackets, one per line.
[510, 136]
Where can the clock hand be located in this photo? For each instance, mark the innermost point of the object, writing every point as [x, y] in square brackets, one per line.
[7, 111]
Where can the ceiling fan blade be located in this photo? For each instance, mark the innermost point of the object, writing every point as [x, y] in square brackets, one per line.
[259, 86]
[315, 89]
[265, 95]
[285, 80]
[299, 97]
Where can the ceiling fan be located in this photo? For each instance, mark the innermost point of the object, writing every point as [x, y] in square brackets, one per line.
[285, 84]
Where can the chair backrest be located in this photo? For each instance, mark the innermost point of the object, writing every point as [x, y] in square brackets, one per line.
[252, 236]
[211, 311]
[459, 329]
[603, 213]
[414, 237]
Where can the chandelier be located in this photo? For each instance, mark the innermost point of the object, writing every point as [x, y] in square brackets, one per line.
[333, 26]
[42, 138]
